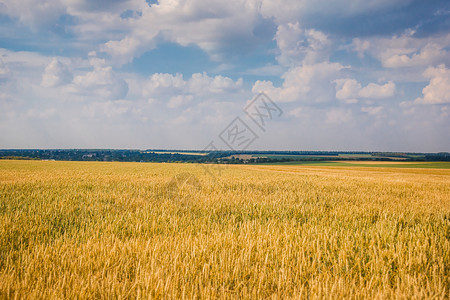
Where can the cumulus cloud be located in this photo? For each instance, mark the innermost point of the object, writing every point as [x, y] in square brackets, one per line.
[218, 28]
[296, 48]
[430, 54]
[123, 51]
[377, 91]
[306, 83]
[349, 90]
[102, 82]
[56, 73]
[405, 50]
[162, 83]
[33, 13]
[200, 84]
[194, 99]
[299, 45]
[438, 90]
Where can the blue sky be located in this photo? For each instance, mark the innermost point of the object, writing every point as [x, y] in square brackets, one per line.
[348, 75]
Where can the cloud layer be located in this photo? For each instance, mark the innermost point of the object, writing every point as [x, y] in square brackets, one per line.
[358, 75]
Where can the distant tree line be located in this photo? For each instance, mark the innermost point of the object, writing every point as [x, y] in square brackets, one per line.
[226, 157]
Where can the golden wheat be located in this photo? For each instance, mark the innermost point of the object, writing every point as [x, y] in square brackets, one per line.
[138, 230]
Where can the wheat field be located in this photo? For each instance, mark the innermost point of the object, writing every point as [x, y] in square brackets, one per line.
[170, 231]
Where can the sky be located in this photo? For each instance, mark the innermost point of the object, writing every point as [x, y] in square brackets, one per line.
[348, 75]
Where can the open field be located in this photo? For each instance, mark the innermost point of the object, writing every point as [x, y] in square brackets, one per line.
[379, 164]
[331, 157]
[143, 230]
[180, 152]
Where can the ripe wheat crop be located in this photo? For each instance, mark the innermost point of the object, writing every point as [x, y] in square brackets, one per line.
[139, 230]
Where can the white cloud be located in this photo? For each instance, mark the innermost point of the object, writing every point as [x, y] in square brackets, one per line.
[33, 13]
[298, 45]
[377, 91]
[102, 82]
[125, 50]
[163, 85]
[38, 13]
[25, 60]
[121, 108]
[307, 83]
[56, 73]
[202, 83]
[216, 28]
[267, 87]
[347, 89]
[406, 50]
[430, 54]
[438, 90]
[92, 22]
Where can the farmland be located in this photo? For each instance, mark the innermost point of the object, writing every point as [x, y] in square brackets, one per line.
[148, 230]
[216, 156]
[376, 164]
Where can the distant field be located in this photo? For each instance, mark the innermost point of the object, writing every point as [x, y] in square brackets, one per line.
[281, 156]
[340, 156]
[356, 155]
[380, 164]
[183, 153]
[170, 231]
